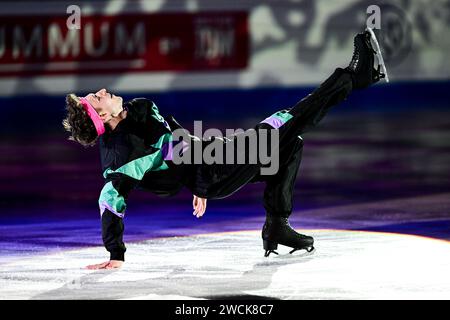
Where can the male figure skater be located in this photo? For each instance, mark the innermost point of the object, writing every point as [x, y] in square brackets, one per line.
[136, 152]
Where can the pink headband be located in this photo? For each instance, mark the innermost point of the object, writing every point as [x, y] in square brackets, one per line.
[98, 123]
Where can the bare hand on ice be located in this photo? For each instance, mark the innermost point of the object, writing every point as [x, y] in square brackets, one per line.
[112, 264]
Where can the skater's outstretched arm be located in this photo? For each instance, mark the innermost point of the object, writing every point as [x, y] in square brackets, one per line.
[112, 204]
[113, 198]
[112, 232]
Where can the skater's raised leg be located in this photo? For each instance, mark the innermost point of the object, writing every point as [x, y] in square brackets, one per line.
[278, 195]
[359, 74]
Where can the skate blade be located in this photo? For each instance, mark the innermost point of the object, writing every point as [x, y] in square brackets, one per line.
[268, 252]
[298, 254]
[378, 54]
[307, 249]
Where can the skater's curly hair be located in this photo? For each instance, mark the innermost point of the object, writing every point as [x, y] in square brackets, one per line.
[78, 122]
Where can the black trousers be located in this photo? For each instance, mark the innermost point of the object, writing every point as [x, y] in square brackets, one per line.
[216, 181]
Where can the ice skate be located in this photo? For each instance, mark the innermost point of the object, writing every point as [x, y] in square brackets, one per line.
[362, 65]
[276, 230]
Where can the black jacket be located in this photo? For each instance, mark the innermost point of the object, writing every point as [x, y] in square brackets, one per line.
[136, 155]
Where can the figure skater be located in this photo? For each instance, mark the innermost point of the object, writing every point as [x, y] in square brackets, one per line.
[137, 152]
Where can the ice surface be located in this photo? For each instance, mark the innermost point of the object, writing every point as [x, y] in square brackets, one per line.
[345, 265]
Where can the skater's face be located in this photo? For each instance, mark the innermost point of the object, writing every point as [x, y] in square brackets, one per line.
[106, 104]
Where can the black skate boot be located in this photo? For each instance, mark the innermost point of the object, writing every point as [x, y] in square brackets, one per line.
[361, 67]
[276, 230]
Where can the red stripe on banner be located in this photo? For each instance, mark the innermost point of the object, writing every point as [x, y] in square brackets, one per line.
[31, 45]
